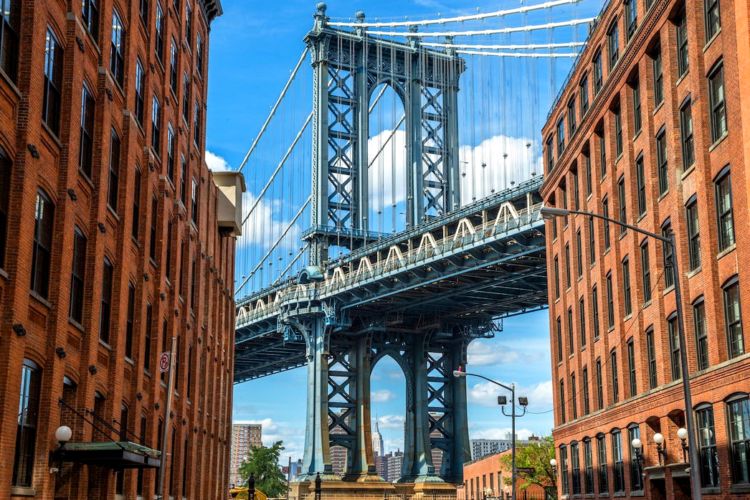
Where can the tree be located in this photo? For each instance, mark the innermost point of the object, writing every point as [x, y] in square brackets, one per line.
[263, 464]
[533, 457]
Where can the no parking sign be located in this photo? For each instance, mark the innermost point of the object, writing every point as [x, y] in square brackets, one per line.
[164, 362]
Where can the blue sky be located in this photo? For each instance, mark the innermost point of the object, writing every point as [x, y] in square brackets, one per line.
[253, 47]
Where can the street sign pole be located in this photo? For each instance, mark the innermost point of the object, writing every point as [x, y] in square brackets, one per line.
[167, 410]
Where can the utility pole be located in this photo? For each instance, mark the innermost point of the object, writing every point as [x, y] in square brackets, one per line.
[167, 411]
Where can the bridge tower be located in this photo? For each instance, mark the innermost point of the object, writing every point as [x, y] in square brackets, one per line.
[347, 67]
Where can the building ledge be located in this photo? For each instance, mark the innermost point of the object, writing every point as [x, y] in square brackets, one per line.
[110, 454]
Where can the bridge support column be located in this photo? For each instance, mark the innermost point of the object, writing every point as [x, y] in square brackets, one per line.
[460, 448]
[317, 457]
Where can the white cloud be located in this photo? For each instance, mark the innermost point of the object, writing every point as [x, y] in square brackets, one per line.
[292, 436]
[267, 223]
[499, 433]
[391, 421]
[540, 395]
[381, 396]
[216, 163]
[482, 353]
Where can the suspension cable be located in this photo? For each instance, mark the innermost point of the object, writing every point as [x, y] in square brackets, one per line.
[457, 19]
[388, 139]
[273, 109]
[518, 54]
[294, 261]
[532, 46]
[497, 31]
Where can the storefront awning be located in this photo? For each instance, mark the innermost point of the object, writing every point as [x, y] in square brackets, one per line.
[111, 454]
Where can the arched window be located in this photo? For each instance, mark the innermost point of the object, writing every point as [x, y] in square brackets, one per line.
[618, 467]
[23, 464]
[709, 458]
[738, 411]
[44, 214]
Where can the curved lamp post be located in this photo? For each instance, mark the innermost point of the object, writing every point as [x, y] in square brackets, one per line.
[695, 481]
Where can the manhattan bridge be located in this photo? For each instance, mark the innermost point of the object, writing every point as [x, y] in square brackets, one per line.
[399, 217]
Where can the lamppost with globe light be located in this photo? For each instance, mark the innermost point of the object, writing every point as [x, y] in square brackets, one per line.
[671, 257]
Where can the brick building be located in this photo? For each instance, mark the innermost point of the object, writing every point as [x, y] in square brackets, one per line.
[245, 437]
[485, 479]
[652, 128]
[114, 238]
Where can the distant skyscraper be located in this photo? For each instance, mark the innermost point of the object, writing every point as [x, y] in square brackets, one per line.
[338, 454]
[245, 437]
[393, 461]
[377, 441]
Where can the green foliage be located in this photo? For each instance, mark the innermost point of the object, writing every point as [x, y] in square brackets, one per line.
[263, 464]
[534, 456]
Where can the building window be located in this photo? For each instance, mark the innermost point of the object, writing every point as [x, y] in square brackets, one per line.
[633, 386]
[598, 73]
[631, 16]
[135, 228]
[188, 26]
[147, 338]
[159, 23]
[701, 334]
[78, 274]
[567, 266]
[651, 354]
[592, 242]
[559, 339]
[739, 437]
[725, 218]
[549, 153]
[713, 18]
[194, 284]
[86, 140]
[114, 170]
[610, 303]
[194, 201]
[9, 25]
[183, 179]
[645, 272]
[587, 165]
[640, 176]
[197, 120]
[574, 395]
[717, 103]
[579, 254]
[661, 161]
[576, 192]
[658, 76]
[129, 320]
[602, 152]
[575, 469]
[53, 61]
[628, 303]
[694, 236]
[674, 347]
[615, 377]
[668, 252]
[605, 213]
[572, 116]
[617, 114]
[90, 17]
[560, 137]
[557, 276]
[582, 321]
[601, 459]
[613, 44]
[28, 412]
[571, 342]
[588, 465]
[140, 83]
[152, 242]
[117, 52]
[595, 311]
[585, 382]
[170, 153]
[618, 469]
[682, 42]
[5, 179]
[42, 250]
[562, 402]
[709, 458]
[186, 97]
[156, 126]
[106, 306]
[686, 129]
[636, 471]
[199, 54]
[583, 94]
[599, 385]
[564, 469]
[143, 11]
[636, 88]
[173, 67]
[622, 201]
[733, 318]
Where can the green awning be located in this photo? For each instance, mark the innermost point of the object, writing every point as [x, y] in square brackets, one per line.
[114, 455]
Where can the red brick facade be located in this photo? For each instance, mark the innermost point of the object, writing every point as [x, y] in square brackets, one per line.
[486, 478]
[178, 262]
[654, 184]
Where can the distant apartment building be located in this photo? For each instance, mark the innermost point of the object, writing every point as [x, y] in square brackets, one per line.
[483, 447]
[245, 437]
[652, 129]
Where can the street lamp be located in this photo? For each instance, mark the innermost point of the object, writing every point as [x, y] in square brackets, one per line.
[659, 440]
[695, 481]
[682, 434]
[502, 400]
[553, 464]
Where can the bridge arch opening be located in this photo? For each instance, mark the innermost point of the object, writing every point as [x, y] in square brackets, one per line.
[387, 160]
[388, 411]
